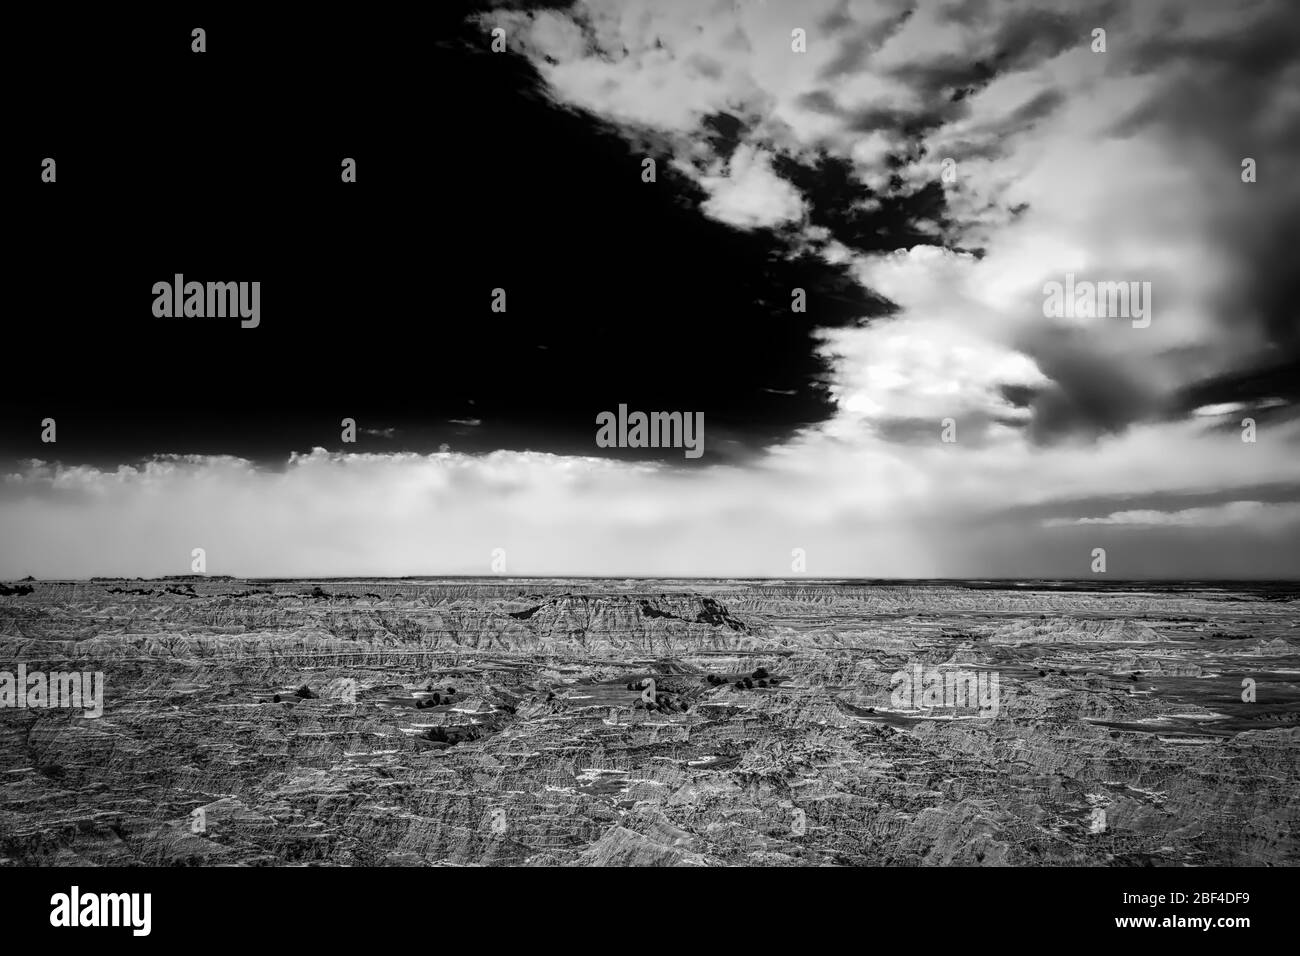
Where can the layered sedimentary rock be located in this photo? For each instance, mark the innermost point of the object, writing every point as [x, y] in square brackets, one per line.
[512, 722]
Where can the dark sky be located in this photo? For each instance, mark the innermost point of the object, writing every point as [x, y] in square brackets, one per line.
[777, 169]
[376, 296]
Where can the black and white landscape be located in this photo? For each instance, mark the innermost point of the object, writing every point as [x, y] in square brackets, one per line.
[790, 723]
[652, 432]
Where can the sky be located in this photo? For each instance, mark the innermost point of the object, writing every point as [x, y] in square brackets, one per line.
[921, 171]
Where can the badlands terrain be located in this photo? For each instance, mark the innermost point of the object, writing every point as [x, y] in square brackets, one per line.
[505, 722]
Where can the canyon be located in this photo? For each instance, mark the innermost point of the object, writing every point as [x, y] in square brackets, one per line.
[499, 721]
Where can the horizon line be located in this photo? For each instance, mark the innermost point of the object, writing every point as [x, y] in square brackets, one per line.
[643, 577]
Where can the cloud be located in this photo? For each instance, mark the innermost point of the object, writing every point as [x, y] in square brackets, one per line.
[857, 503]
[1117, 166]
[824, 170]
[1240, 513]
[750, 194]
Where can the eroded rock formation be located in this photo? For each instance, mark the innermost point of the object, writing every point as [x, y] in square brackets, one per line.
[502, 722]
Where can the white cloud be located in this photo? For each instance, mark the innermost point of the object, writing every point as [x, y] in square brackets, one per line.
[1214, 411]
[1231, 513]
[750, 194]
[858, 505]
